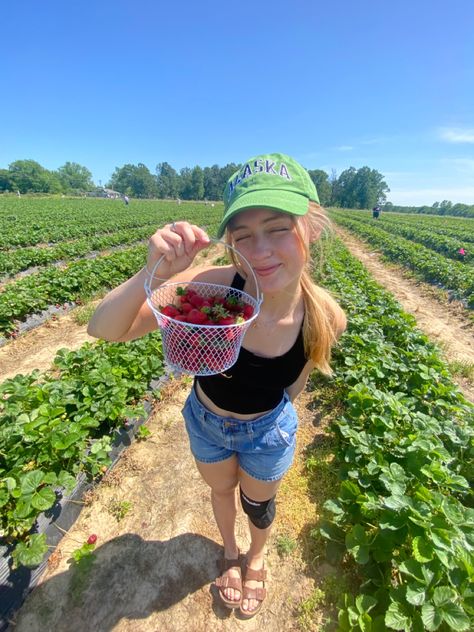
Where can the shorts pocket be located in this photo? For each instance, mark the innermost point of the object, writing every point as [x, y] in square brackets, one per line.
[286, 426]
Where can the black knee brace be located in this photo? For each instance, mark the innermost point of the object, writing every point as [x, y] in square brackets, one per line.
[260, 513]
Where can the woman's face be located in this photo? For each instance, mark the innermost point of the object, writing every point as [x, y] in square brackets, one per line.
[269, 241]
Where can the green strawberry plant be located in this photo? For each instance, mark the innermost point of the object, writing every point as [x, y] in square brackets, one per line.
[404, 514]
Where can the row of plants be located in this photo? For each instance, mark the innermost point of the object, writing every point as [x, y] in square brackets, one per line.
[27, 222]
[14, 261]
[81, 279]
[426, 264]
[443, 244]
[61, 424]
[456, 228]
[404, 513]
[54, 286]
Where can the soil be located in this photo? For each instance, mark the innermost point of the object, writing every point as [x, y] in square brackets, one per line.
[158, 546]
[446, 323]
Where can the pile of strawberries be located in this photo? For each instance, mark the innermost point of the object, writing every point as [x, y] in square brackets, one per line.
[200, 350]
[193, 308]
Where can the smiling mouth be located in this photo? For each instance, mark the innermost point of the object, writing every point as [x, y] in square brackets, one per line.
[266, 271]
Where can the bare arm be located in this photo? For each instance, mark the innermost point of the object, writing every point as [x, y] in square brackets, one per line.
[124, 313]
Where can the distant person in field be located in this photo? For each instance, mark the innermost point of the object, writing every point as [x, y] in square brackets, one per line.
[241, 423]
[376, 212]
[126, 200]
[462, 252]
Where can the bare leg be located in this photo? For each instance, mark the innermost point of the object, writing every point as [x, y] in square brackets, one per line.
[222, 478]
[259, 491]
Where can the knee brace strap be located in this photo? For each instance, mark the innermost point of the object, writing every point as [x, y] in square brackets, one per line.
[260, 513]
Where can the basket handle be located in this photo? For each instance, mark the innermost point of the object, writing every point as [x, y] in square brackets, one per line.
[151, 274]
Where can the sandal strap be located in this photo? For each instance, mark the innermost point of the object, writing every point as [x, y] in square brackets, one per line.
[254, 593]
[229, 582]
[225, 564]
[259, 576]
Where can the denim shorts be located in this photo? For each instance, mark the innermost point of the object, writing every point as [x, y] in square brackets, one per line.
[264, 447]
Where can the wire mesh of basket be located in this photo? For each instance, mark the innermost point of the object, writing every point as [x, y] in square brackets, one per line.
[201, 349]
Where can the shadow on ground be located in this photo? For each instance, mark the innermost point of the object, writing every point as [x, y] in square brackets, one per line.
[130, 579]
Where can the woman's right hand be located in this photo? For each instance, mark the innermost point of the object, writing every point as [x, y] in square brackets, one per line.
[178, 243]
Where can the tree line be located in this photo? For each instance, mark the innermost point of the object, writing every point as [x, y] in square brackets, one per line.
[438, 208]
[353, 188]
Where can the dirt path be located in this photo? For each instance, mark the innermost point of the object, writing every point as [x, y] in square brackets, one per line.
[37, 348]
[155, 567]
[445, 324]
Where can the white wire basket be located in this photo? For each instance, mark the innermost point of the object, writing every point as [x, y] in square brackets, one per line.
[201, 349]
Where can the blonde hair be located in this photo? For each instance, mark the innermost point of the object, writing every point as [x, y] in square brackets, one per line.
[324, 320]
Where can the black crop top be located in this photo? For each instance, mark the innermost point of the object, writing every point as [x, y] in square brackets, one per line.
[254, 383]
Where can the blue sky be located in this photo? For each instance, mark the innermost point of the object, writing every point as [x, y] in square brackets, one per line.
[108, 82]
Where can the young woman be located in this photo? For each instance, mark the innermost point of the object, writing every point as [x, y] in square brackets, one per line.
[241, 423]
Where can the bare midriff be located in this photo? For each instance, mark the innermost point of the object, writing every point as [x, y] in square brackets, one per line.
[205, 401]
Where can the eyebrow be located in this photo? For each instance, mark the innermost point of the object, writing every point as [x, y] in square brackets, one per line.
[265, 221]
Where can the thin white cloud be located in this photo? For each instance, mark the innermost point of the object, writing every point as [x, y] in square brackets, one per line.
[344, 148]
[464, 165]
[419, 197]
[375, 141]
[457, 134]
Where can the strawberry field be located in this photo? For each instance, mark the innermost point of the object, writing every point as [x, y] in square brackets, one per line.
[401, 523]
[429, 247]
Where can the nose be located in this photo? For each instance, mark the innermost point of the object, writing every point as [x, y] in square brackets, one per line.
[261, 248]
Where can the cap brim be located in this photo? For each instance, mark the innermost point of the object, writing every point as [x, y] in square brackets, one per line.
[284, 201]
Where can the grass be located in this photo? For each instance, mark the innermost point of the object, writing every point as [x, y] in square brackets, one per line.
[82, 315]
[462, 368]
[311, 481]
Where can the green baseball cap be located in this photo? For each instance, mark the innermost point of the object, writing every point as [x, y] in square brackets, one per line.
[270, 181]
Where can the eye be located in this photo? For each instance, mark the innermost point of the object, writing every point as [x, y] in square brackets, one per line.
[241, 238]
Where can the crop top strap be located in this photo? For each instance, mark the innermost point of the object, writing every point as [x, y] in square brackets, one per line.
[238, 282]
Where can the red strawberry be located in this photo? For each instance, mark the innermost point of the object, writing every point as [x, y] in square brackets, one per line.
[92, 539]
[196, 317]
[186, 308]
[196, 300]
[182, 318]
[226, 320]
[170, 310]
[247, 311]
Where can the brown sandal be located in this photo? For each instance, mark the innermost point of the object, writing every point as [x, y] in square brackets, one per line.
[230, 582]
[253, 593]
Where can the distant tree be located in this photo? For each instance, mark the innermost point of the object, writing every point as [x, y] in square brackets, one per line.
[134, 180]
[28, 176]
[75, 177]
[333, 184]
[322, 184]
[445, 207]
[6, 181]
[197, 183]
[185, 188]
[167, 180]
[212, 183]
[370, 188]
[360, 188]
[344, 189]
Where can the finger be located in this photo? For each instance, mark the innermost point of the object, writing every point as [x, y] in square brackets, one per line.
[165, 243]
[191, 235]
